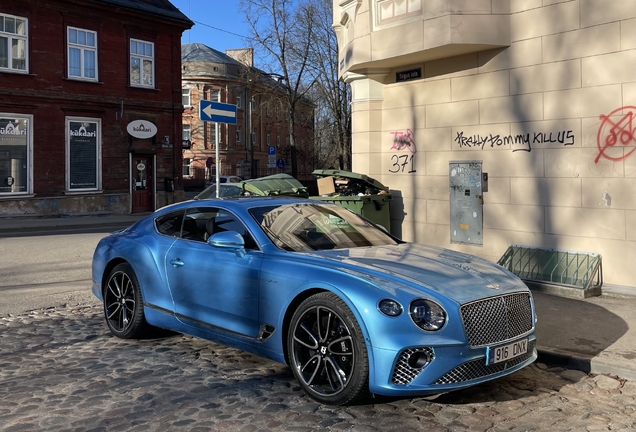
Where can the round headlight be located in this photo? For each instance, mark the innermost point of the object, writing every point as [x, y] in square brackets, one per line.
[427, 314]
[390, 308]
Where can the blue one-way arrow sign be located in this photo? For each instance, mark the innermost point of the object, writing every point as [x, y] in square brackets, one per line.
[217, 112]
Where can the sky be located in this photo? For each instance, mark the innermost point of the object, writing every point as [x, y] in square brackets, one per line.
[218, 24]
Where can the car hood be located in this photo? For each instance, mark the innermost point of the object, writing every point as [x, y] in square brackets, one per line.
[456, 275]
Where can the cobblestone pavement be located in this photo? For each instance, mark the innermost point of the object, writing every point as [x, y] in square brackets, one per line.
[61, 370]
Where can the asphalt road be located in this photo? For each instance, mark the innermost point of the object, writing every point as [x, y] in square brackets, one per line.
[46, 271]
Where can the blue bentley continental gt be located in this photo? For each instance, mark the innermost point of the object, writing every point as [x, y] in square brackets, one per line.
[351, 309]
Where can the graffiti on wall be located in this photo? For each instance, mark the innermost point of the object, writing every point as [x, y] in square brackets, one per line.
[613, 132]
[403, 141]
[519, 142]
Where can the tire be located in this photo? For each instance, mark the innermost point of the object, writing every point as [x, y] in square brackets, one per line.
[327, 352]
[123, 304]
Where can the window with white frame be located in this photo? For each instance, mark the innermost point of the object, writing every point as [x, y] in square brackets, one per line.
[83, 154]
[278, 141]
[13, 43]
[254, 141]
[269, 138]
[185, 97]
[16, 146]
[214, 95]
[82, 53]
[239, 100]
[142, 63]
[390, 10]
[187, 167]
[239, 134]
[185, 132]
[254, 103]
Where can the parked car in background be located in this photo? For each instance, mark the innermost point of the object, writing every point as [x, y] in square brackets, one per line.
[350, 308]
[272, 185]
[225, 190]
[224, 179]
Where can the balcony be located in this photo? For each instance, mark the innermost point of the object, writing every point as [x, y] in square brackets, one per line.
[388, 34]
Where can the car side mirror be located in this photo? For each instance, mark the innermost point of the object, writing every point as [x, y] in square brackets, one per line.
[229, 240]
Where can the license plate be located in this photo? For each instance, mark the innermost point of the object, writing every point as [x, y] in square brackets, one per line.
[506, 352]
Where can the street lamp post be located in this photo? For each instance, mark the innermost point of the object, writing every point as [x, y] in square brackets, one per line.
[249, 130]
[248, 120]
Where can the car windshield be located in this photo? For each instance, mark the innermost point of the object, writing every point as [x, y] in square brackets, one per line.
[312, 227]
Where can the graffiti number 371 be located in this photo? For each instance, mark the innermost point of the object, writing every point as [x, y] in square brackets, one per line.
[400, 163]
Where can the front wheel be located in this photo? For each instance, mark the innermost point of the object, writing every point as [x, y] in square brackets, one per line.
[123, 305]
[327, 352]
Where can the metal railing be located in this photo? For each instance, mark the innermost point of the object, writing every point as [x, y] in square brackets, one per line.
[561, 267]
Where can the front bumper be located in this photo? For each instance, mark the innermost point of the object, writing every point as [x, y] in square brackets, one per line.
[451, 368]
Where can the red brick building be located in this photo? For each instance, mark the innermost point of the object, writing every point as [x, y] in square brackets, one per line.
[261, 119]
[90, 106]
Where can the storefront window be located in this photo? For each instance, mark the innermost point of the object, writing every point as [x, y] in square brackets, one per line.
[83, 154]
[15, 147]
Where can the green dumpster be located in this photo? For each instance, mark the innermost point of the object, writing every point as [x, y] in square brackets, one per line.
[357, 192]
[275, 185]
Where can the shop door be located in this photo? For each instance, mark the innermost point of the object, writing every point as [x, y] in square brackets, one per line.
[142, 182]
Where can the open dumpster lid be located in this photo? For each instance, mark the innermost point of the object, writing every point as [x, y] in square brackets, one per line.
[275, 185]
[359, 180]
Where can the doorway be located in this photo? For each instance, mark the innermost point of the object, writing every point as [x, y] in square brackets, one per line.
[142, 184]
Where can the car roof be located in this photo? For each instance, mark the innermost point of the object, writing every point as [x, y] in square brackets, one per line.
[236, 203]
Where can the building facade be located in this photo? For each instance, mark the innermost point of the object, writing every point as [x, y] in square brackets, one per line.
[258, 144]
[499, 122]
[90, 106]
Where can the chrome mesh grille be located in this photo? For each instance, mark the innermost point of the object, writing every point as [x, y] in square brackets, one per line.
[477, 368]
[403, 374]
[497, 319]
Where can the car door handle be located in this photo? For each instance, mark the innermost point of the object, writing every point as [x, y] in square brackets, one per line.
[176, 262]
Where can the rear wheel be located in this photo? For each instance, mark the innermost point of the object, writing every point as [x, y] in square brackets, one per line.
[123, 305]
[327, 352]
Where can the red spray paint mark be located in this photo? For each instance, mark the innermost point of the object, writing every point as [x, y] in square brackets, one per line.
[621, 132]
[404, 140]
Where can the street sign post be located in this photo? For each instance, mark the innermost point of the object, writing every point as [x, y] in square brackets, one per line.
[271, 157]
[217, 112]
[220, 113]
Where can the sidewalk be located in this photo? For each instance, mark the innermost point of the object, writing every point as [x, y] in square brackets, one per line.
[78, 222]
[596, 335]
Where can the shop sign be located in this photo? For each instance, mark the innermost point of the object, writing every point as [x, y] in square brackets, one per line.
[141, 129]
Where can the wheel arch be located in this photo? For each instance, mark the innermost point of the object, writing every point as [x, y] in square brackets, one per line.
[289, 312]
[305, 294]
[109, 267]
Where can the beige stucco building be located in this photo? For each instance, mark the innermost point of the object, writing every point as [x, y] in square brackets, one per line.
[538, 94]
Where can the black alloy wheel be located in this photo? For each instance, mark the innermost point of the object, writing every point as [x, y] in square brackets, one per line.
[123, 306]
[327, 352]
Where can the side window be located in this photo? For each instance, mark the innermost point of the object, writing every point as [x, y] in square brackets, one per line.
[170, 224]
[195, 222]
[226, 221]
[198, 224]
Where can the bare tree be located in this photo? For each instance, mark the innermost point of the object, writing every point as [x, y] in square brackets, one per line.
[275, 32]
[332, 97]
